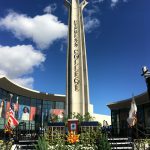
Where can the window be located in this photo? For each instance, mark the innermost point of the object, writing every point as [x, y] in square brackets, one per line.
[59, 105]
[147, 115]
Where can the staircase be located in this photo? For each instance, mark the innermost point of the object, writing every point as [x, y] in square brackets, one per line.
[121, 143]
[26, 145]
[25, 142]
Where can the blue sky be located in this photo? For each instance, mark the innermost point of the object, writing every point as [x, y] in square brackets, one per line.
[33, 43]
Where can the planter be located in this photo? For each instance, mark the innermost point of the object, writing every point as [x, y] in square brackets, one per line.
[90, 123]
[56, 124]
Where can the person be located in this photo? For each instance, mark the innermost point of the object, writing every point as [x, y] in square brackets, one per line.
[25, 114]
[2, 109]
[104, 126]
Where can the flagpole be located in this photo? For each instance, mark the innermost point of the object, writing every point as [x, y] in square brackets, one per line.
[11, 95]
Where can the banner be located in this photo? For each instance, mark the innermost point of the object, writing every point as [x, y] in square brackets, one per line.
[32, 113]
[24, 112]
[2, 108]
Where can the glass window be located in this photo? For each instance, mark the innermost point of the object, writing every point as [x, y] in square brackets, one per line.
[59, 105]
[147, 115]
[1, 96]
[5, 93]
[32, 109]
[33, 102]
[39, 102]
[115, 121]
[140, 114]
[0, 91]
[38, 114]
[46, 112]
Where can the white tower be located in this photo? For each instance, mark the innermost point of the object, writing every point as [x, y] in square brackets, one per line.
[77, 92]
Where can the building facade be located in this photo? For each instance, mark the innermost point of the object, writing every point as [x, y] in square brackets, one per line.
[120, 113]
[34, 108]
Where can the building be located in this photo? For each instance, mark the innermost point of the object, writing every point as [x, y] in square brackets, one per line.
[120, 113]
[99, 117]
[40, 106]
[30, 106]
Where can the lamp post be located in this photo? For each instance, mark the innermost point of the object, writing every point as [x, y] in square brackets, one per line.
[146, 75]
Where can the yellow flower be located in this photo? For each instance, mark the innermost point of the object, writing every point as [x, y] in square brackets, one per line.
[8, 131]
[1, 141]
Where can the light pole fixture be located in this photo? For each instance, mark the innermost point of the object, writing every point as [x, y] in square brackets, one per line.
[146, 75]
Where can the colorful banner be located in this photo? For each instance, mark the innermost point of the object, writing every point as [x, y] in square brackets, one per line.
[57, 112]
[24, 112]
[2, 108]
[32, 113]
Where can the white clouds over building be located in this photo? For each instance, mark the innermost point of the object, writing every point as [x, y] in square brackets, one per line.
[41, 29]
[20, 60]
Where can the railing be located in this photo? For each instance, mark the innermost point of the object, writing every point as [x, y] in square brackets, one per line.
[16, 147]
[26, 132]
[134, 132]
[142, 140]
[145, 135]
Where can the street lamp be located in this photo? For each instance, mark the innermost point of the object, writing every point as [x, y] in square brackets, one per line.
[146, 75]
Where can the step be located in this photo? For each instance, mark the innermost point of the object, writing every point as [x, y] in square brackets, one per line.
[120, 143]
[23, 147]
[118, 139]
[27, 141]
[27, 147]
[122, 148]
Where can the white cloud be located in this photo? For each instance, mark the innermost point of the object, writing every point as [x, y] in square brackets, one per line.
[18, 61]
[61, 47]
[50, 8]
[43, 30]
[91, 24]
[90, 12]
[97, 1]
[125, 1]
[25, 81]
[114, 2]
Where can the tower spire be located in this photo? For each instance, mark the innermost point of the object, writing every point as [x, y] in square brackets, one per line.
[77, 91]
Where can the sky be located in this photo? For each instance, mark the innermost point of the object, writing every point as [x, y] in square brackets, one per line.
[33, 45]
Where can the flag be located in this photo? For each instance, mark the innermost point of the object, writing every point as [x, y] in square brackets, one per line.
[12, 121]
[132, 119]
[16, 105]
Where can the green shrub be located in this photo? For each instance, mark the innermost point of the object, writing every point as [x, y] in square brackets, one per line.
[103, 143]
[42, 144]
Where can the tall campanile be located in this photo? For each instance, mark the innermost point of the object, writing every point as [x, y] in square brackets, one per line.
[77, 91]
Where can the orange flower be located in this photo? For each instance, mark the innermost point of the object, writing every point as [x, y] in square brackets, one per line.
[72, 137]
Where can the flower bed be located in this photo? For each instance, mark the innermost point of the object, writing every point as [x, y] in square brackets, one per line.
[72, 147]
[4, 145]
